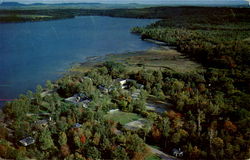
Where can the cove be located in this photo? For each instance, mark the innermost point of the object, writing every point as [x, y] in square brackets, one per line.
[34, 52]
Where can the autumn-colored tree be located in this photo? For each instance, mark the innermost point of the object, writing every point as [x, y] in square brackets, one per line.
[201, 87]
[229, 126]
[65, 151]
[83, 139]
[4, 132]
[96, 139]
[177, 123]
[156, 134]
[3, 151]
[139, 156]
[195, 153]
[20, 153]
[173, 115]
[7, 150]
[218, 143]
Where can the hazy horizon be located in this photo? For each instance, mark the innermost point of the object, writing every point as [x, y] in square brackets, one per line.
[195, 2]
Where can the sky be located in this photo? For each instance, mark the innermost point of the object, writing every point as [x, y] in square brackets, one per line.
[129, 1]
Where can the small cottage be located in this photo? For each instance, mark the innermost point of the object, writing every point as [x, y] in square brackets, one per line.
[177, 152]
[27, 141]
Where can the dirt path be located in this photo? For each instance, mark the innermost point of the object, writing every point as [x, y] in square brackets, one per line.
[161, 154]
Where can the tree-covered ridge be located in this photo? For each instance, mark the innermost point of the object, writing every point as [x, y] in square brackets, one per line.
[41, 14]
[221, 41]
[219, 102]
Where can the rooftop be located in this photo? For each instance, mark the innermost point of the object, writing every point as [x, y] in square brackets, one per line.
[27, 141]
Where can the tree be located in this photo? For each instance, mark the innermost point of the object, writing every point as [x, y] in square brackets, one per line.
[62, 138]
[93, 152]
[218, 151]
[83, 139]
[17, 109]
[176, 137]
[45, 140]
[62, 124]
[178, 86]
[156, 134]
[39, 89]
[200, 119]
[119, 153]
[20, 153]
[49, 85]
[229, 126]
[218, 143]
[229, 151]
[195, 153]
[135, 144]
[96, 139]
[65, 151]
[165, 127]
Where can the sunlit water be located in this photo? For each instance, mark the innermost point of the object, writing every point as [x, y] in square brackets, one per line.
[32, 53]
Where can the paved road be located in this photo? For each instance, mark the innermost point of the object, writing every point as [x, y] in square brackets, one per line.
[161, 154]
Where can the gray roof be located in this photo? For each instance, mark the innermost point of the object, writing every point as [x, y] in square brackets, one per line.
[27, 141]
[78, 98]
[77, 125]
[41, 122]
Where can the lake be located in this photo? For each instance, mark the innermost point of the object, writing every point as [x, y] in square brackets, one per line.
[34, 52]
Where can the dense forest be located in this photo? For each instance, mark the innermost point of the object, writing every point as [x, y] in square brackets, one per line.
[214, 105]
[209, 117]
[24, 15]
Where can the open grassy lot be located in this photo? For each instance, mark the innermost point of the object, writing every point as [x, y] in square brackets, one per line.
[153, 157]
[123, 117]
[34, 16]
[157, 58]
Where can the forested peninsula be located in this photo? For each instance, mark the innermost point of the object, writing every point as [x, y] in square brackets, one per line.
[122, 108]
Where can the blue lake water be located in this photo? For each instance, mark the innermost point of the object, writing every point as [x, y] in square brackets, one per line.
[31, 53]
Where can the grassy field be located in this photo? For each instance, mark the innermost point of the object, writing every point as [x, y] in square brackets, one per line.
[153, 157]
[34, 16]
[158, 58]
[123, 117]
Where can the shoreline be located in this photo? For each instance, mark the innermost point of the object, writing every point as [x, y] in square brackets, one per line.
[97, 59]
[88, 61]
[162, 56]
[92, 61]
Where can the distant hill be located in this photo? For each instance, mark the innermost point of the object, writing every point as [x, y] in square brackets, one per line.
[205, 3]
[40, 4]
[69, 4]
[9, 4]
[16, 5]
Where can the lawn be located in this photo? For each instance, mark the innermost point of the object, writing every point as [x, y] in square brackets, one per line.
[153, 157]
[123, 117]
[156, 58]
